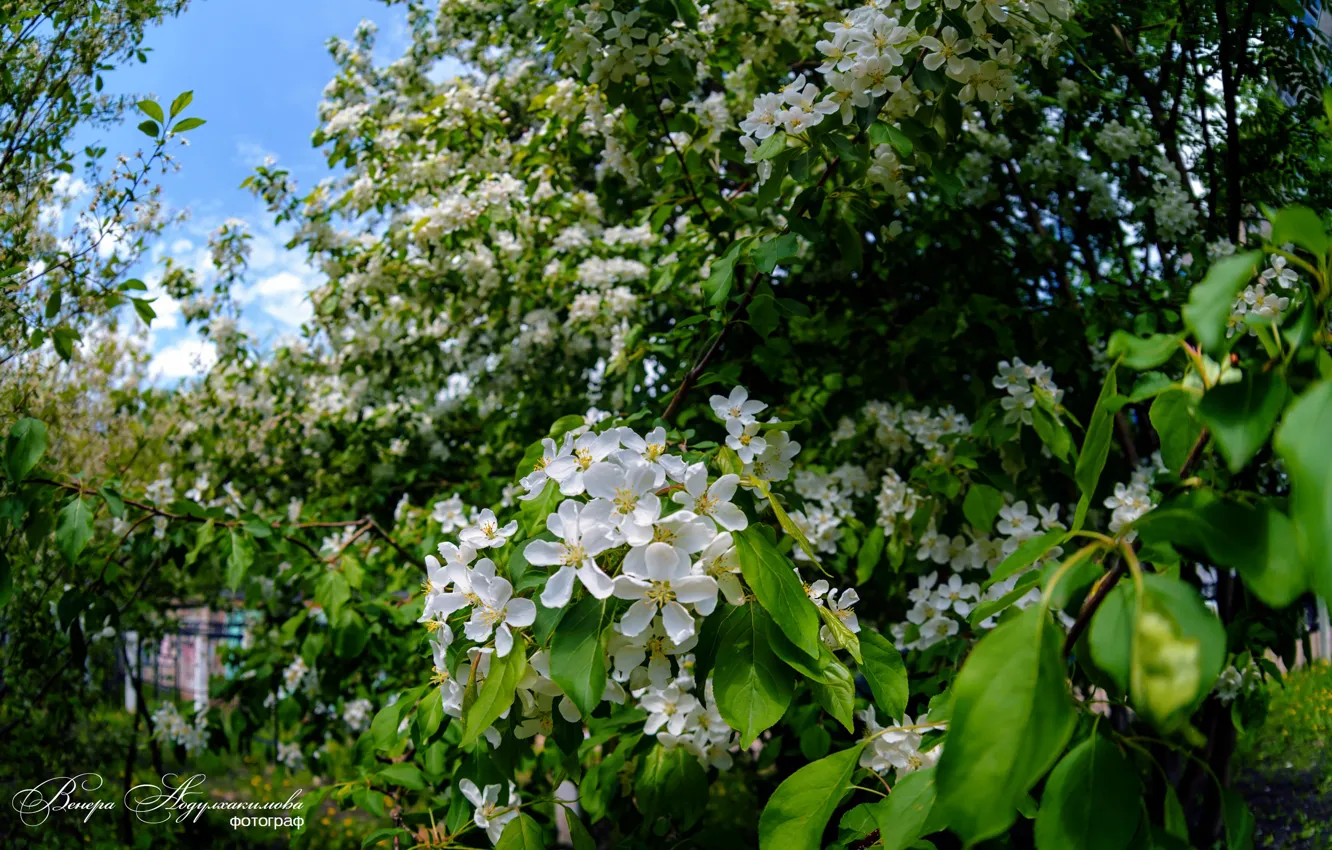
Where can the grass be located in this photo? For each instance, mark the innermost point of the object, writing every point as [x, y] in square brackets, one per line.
[1282, 762]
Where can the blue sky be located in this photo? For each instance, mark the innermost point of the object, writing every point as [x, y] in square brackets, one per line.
[257, 69]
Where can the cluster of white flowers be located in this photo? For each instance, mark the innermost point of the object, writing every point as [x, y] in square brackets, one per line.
[896, 427]
[828, 500]
[1130, 501]
[1234, 682]
[869, 54]
[297, 677]
[939, 608]
[170, 727]
[1176, 216]
[1022, 383]
[356, 714]
[898, 746]
[451, 514]
[290, 756]
[896, 500]
[1260, 300]
[1118, 142]
[671, 564]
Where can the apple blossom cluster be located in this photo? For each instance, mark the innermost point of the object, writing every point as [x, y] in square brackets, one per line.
[1130, 501]
[868, 56]
[1234, 683]
[289, 755]
[896, 428]
[297, 677]
[940, 609]
[169, 727]
[1260, 301]
[1172, 205]
[1118, 141]
[1022, 383]
[356, 714]
[828, 501]
[639, 524]
[898, 746]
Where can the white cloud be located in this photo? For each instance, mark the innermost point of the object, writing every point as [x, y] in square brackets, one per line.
[446, 69]
[252, 154]
[282, 296]
[184, 359]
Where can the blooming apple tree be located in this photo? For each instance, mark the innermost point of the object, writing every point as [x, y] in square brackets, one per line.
[746, 424]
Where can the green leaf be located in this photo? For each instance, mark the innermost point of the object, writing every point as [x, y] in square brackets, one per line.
[1303, 445]
[1174, 820]
[1176, 426]
[1210, 301]
[1052, 432]
[379, 836]
[182, 100]
[384, 728]
[1301, 226]
[350, 634]
[242, 556]
[1096, 445]
[988, 608]
[149, 129]
[24, 447]
[64, 340]
[332, 591]
[840, 634]
[788, 525]
[981, 506]
[901, 817]
[6, 580]
[1026, 554]
[74, 529]
[837, 696]
[1241, 415]
[721, 276]
[869, 554]
[799, 810]
[152, 109]
[533, 512]
[496, 693]
[885, 673]
[114, 503]
[578, 834]
[1148, 385]
[404, 774]
[145, 310]
[1086, 798]
[774, 581]
[763, 315]
[751, 685]
[1238, 819]
[577, 661]
[1012, 716]
[186, 124]
[1110, 636]
[728, 462]
[671, 782]
[768, 255]
[1141, 354]
[770, 147]
[521, 833]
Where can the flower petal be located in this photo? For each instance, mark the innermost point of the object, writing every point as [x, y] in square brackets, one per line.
[638, 617]
[559, 588]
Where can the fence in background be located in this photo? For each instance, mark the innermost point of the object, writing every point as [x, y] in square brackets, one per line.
[182, 662]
